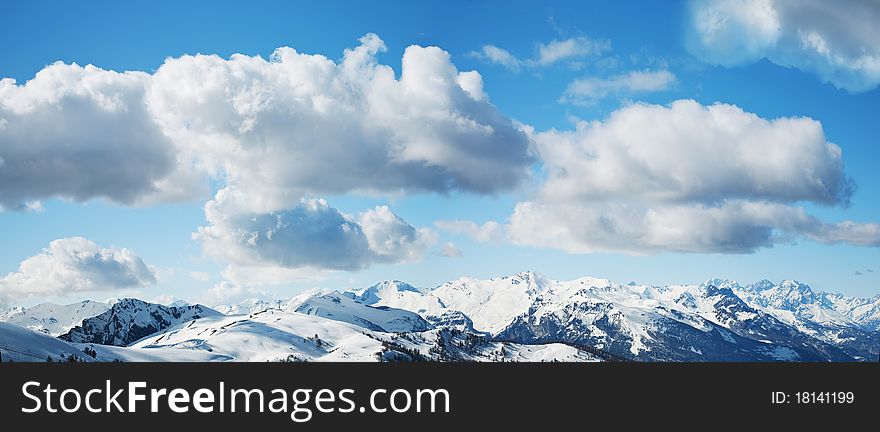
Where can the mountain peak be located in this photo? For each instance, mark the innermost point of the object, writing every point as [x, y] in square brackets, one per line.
[397, 285]
[715, 290]
[529, 277]
[762, 285]
[377, 292]
[130, 319]
[793, 284]
[720, 283]
[788, 295]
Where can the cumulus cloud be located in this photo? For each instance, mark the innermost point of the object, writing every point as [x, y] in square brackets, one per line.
[688, 152]
[733, 227]
[685, 178]
[82, 133]
[281, 131]
[589, 91]
[837, 41]
[309, 235]
[77, 265]
[546, 54]
[275, 126]
[274, 133]
[301, 125]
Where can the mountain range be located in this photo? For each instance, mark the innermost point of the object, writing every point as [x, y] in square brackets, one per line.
[522, 317]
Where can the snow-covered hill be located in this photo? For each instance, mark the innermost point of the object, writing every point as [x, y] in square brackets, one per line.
[19, 344]
[338, 307]
[130, 319]
[275, 335]
[54, 319]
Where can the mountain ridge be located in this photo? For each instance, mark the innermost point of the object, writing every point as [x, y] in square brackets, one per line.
[467, 318]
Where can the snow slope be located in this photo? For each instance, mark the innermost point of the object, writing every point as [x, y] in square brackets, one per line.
[54, 319]
[275, 335]
[338, 307]
[109, 353]
[269, 335]
[20, 344]
[252, 305]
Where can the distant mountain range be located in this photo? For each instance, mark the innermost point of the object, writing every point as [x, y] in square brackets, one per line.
[523, 317]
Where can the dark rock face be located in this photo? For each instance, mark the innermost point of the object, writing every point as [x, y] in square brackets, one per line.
[130, 320]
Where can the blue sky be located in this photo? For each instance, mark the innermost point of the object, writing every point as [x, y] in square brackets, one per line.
[779, 78]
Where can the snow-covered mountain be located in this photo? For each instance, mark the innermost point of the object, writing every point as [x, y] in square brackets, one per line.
[523, 317]
[683, 322]
[130, 319]
[848, 322]
[338, 307]
[489, 304]
[53, 319]
[252, 305]
[20, 344]
[823, 308]
[388, 289]
[249, 306]
[275, 335]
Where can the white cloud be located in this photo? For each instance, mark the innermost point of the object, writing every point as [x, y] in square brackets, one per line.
[558, 50]
[34, 207]
[164, 299]
[837, 41]
[685, 178]
[554, 52]
[226, 292]
[77, 265]
[272, 133]
[302, 125]
[449, 250]
[499, 56]
[82, 133]
[285, 130]
[732, 227]
[588, 91]
[391, 238]
[488, 232]
[688, 152]
[309, 235]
